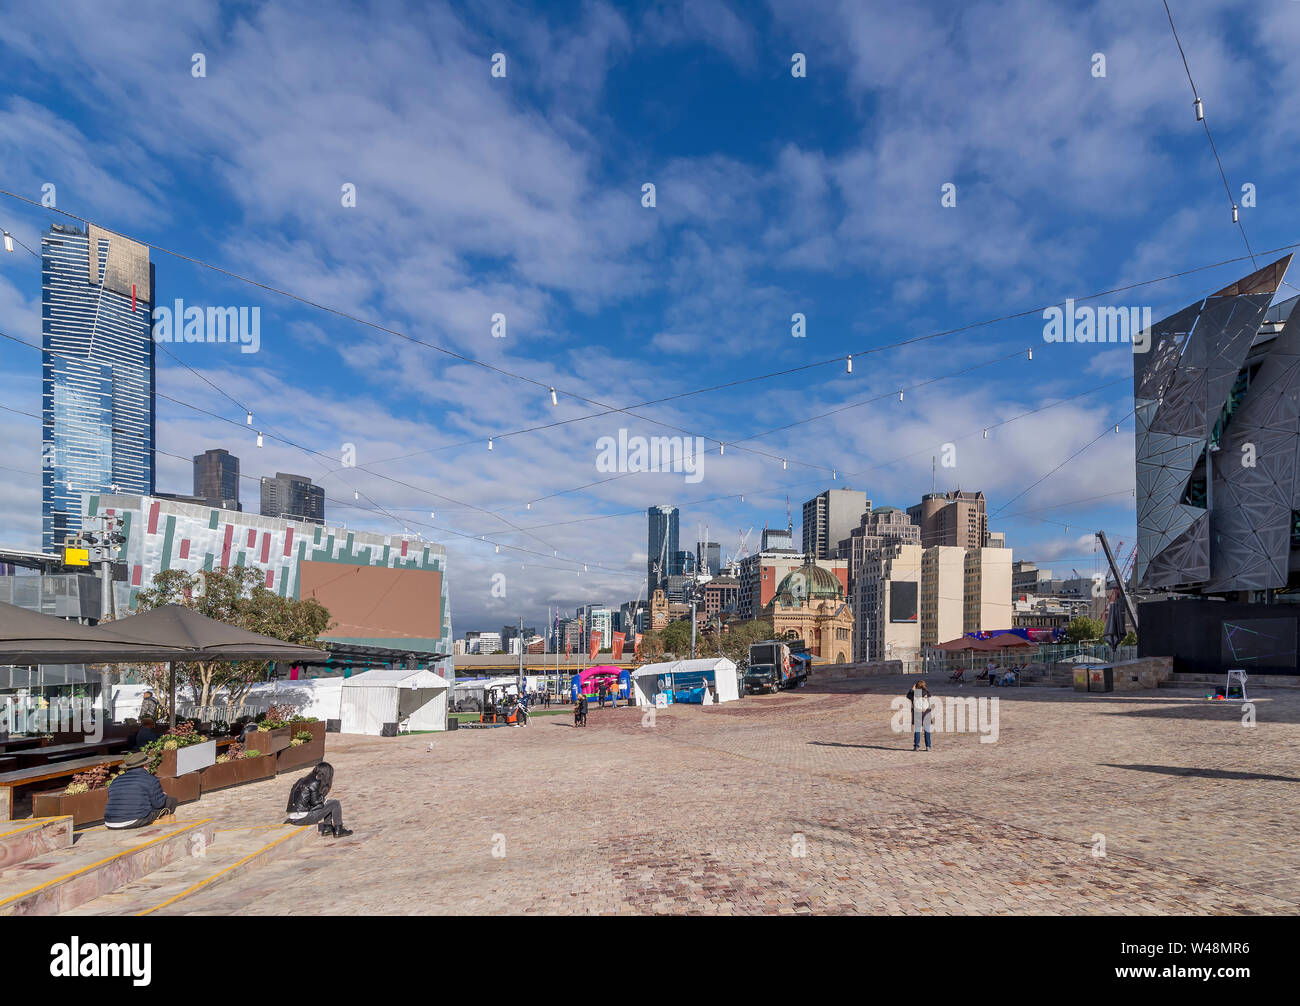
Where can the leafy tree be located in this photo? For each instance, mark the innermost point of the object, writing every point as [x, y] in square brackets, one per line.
[1083, 629]
[238, 596]
[676, 638]
[1130, 639]
[734, 642]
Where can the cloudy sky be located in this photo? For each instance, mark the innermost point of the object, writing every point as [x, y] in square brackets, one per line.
[522, 195]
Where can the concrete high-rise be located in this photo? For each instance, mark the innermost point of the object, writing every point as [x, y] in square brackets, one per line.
[828, 518]
[97, 373]
[661, 546]
[293, 497]
[956, 519]
[216, 479]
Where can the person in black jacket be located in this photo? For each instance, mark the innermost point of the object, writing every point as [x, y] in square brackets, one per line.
[136, 797]
[307, 803]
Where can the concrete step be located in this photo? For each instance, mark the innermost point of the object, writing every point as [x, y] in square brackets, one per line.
[21, 840]
[234, 853]
[98, 862]
[288, 873]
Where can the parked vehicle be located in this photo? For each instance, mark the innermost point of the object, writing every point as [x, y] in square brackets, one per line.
[771, 669]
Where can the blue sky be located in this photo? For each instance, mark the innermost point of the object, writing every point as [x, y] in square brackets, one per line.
[521, 195]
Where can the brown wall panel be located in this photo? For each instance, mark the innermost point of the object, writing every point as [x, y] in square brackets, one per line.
[374, 600]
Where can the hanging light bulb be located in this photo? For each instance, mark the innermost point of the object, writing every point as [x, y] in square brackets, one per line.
[1031, 354]
[554, 400]
[1234, 213]
[722, 448]
[1117, 427]
[356, 495]
[259, 440]
[489, 443]
[9, 242]
[584, 567]
[900, 395]
[498, 550]
[742, 497]
[848, 363]
[833, 475]
[1200, 109]
[432, 515]
[784, 466]
[249, 420]
[986, 434]
[528, 506]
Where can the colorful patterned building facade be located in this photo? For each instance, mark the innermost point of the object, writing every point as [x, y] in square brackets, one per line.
[382, 590]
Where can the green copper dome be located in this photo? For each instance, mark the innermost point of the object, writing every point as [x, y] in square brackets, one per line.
[809, 582]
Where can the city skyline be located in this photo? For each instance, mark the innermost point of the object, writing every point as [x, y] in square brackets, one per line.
[830, 212]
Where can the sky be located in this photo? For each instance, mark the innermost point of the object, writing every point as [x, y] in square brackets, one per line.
[522, 194]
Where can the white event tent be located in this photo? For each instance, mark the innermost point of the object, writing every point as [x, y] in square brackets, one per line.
[377, 702]
[650, 679]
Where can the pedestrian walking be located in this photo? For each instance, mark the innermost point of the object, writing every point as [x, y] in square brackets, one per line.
[922, 714]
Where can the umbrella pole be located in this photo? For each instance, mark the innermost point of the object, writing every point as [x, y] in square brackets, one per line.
[171, 685]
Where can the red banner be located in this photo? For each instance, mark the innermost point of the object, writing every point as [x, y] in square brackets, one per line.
[636, 649]
[618, 645]
[595, 643]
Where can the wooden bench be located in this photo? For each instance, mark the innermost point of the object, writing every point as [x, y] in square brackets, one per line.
[13, 744]
[23, 777]
[61, 752]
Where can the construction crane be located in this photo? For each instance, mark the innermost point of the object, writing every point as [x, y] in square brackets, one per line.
[744, 537]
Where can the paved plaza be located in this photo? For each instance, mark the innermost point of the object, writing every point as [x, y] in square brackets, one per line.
[1138, 803]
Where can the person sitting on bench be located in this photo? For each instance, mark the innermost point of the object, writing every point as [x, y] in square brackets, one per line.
[136, 797]
[145, 734]
[307, 803]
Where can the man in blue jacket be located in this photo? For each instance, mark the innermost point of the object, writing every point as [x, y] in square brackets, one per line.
[136, 797]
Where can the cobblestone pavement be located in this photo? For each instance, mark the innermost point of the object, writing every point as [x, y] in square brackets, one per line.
[1136, 803]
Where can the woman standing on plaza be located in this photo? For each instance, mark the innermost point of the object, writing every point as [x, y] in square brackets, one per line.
[922, 714]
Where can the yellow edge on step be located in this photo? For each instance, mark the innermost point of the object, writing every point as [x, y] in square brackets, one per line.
[106, 859]
[36, 822]
[220, 873]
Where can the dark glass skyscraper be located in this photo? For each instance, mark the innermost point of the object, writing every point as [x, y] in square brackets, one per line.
[216, 479]
[661, 548]
[294, 497]
[97, 373]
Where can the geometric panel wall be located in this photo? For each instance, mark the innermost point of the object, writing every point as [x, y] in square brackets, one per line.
[169, 534]
[1189, 395]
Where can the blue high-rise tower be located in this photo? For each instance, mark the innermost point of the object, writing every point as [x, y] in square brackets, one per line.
[97, 373]
[661, 547]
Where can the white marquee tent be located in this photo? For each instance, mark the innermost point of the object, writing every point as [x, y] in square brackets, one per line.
[378, 702]
[650, 679]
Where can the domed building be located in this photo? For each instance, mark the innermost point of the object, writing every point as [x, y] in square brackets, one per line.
[810, 603]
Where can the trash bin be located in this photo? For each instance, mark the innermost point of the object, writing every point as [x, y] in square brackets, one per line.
[453, 723]
[1081, 679]
[1101, 679]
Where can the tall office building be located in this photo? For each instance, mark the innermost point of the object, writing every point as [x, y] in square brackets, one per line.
[776, 539]
[708, 557]
[97, 373]
[293, 497]
[954, 519]
[216, 479]
[661, 546]
[829, 517]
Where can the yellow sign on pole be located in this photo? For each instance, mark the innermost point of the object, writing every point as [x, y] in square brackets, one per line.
[76, 557]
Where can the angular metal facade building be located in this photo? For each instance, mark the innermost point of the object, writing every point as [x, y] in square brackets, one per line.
[1217, 409]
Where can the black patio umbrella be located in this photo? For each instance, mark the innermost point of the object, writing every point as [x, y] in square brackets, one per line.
[29, 637]
[1114, 624]
[188, 635]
